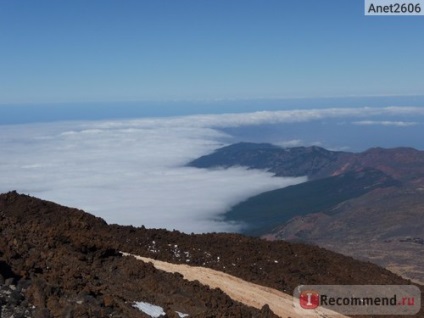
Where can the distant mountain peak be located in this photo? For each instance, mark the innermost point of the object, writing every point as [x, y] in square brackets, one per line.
[315, 162]
[293, 161]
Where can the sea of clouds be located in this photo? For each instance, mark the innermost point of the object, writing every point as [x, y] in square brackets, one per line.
[134, 171]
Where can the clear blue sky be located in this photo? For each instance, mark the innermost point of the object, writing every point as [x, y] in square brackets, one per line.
[111, 50]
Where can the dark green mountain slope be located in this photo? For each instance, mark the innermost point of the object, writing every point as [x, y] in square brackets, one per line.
[263, 212]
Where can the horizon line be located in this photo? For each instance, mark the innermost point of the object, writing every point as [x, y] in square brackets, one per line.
[205, 100]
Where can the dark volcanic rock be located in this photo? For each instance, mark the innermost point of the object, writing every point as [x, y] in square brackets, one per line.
[74, 269]
[70, 264]
[12, 300]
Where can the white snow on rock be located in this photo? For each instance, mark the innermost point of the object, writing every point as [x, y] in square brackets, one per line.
[153, 310]
[149, 309]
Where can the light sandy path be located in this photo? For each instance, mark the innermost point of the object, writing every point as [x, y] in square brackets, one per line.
[239, 290]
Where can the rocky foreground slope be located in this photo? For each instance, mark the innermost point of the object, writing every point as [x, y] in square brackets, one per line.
[63, 262]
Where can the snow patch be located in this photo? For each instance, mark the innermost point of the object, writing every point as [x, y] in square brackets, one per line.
[152, 248]
[154, 311]
[150, 309]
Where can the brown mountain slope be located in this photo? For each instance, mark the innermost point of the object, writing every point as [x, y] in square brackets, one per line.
[380, 222]
[69, 264]
[403, 164]
[385, 226]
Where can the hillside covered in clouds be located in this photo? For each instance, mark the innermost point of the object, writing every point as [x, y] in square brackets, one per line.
[65, 262]
[368, 204]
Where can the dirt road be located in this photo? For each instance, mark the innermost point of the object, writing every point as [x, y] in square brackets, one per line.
[239, 290]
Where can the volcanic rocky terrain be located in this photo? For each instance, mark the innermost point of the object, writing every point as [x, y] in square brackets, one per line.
[62, 262]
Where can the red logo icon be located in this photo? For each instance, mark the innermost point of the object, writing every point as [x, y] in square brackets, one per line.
[309, 299]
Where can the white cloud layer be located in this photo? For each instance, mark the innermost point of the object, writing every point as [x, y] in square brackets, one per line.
[385, 123]
[278, 117]
[131, 171]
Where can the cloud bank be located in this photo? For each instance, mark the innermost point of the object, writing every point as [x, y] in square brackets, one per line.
[132, 171]
[278, 117]
[129, 173]
[385, 123]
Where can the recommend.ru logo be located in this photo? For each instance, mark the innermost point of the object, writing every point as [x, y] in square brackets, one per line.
[357, 299]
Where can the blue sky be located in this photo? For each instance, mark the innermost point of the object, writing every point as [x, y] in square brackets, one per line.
[113, 98]
[107, 51]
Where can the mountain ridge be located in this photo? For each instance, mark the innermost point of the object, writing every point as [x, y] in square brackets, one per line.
[347, 224]
[264, 156]
[314, 161]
